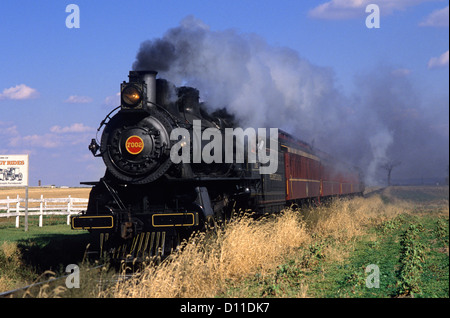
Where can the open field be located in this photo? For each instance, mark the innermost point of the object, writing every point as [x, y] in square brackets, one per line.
[36, 192]
[397, 237]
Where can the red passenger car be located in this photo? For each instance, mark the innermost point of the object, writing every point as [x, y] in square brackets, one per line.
[307, 175]
[312, 174]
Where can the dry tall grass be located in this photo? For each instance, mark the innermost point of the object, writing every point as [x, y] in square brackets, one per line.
[345, 220]
[10, 257]
[247, 246]
[207, 262]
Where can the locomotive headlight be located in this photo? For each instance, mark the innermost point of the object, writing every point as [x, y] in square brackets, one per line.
[131, 96]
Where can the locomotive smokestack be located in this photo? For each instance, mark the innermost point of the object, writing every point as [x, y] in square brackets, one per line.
[149, 78]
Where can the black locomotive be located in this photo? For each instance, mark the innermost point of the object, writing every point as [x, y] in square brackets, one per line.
[146, 203]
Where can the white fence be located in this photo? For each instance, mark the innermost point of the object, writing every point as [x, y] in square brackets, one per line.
[42, 207]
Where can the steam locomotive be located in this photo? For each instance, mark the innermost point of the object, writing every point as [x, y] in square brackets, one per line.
[147, 202]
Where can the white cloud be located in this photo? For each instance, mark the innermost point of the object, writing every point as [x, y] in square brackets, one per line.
[338, 9]
[400, 72]
[438, 62]
[349, 9]
[75, 99]
[112, 101]
[21, 91]
[7, 129]
[40, 141]
[57, 137]
[438, 18]
[10, 130]
[74, 128]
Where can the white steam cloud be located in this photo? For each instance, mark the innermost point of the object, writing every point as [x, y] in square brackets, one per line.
[269, 86]
[262, 85]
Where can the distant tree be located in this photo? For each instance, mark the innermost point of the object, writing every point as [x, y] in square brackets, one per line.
[388, 166]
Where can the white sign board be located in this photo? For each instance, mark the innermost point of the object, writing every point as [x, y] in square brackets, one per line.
[13, 170]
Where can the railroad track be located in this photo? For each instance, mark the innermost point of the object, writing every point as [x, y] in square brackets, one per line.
[374, 192]
[24, 291]
[10, 293]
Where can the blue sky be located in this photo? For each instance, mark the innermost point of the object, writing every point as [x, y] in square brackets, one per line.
[57, 84]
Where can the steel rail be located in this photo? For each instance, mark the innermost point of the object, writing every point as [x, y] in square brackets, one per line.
[12, 291]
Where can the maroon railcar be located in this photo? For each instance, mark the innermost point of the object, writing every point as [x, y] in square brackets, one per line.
[310, 175]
